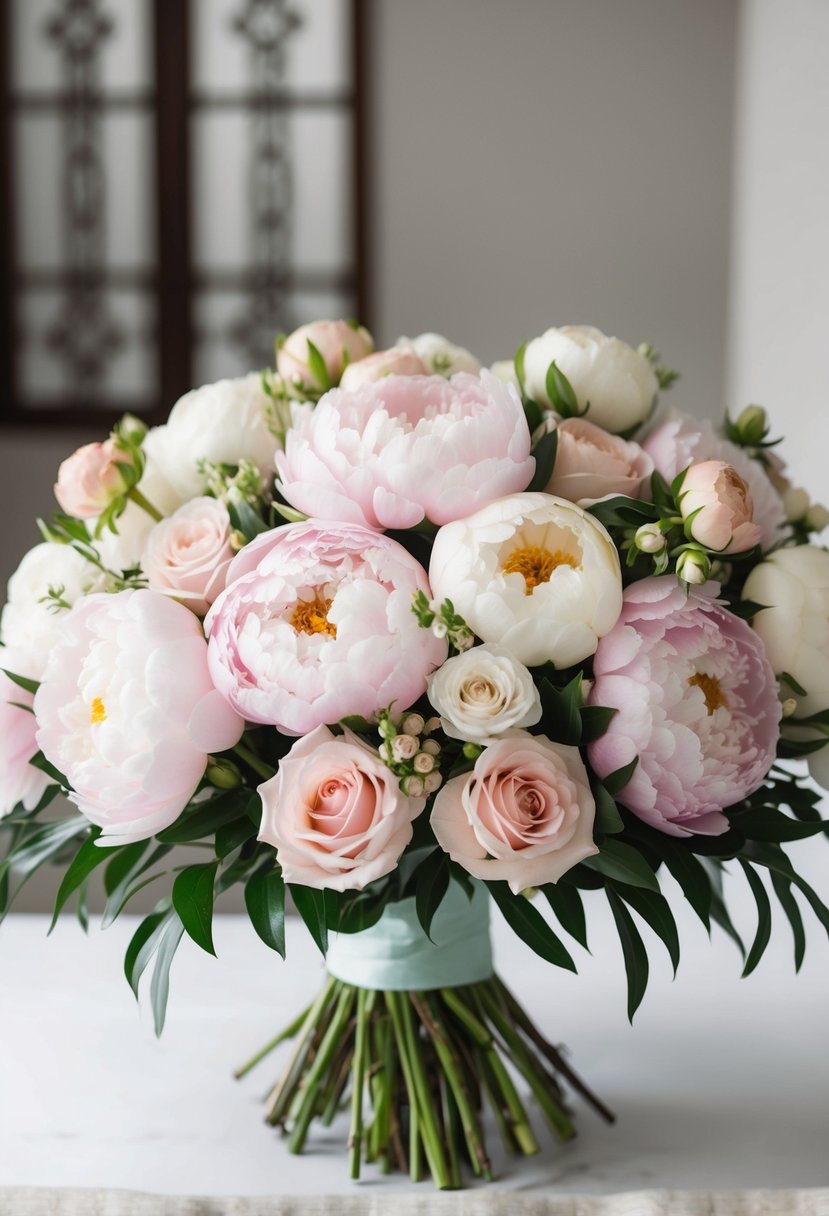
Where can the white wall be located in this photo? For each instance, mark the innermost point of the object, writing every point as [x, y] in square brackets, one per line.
[779, 308]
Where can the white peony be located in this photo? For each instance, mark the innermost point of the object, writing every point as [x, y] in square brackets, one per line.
[794, 625]
[617, 383]
[483, 695]
[440, 355]
[222, 423]
[29, 623]
[532, 573]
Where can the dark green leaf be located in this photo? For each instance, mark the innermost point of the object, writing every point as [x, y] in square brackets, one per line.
[727, 844]
[122, 864]
[608, 819]
[692, 878]
[763, 934]
[768, 824]
[40, 761]
[21, 681]
[364, 911]
[595, 720]
[616, 781]
[561, 716]
[318, 367]
[773, 858]
[519, 365]
[545, 458]
[786, 678]
[126, 878]
[655, 911]
[560, 393]
[431, 886]
[622, 512]
[317, 909]
[530, 925]
[232, 836]
[787, 901]
[44, 843]
[265, 903]
[796, 749]
[633, 950]
[160, 985]
[567, 905]
[204, 818]
[193, 896]
[622, 863]
[721, 916]
[144, 943]
[245, 520]
[88, 856]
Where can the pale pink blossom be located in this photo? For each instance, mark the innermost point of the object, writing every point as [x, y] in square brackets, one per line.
[717, 506]
[338, 343]
[90, 479]
[682, 440]
[397, 361]
[335, 813]
[524, 814]
[316, 624]
[128, 712]
[591, 463]
[407, 448]
[696, 702]
[20, 781]
[188, 555]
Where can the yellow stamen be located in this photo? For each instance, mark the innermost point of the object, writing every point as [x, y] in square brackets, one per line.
[97, 711]
[311, 616]
[711, 690]
[536, 565]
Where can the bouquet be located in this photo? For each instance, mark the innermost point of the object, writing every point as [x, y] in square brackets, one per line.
[402, 636]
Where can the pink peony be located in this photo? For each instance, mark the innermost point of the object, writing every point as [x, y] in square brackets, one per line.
[316, 624]
[683, 440]
[338, 342]
[188, 555]
[717, 502]
[697, 703]
[591, 463]
[394, 362]
[128, 712]
[408, 447]
[335, 813]
[524, 814]
[89, 479]
[20, 781]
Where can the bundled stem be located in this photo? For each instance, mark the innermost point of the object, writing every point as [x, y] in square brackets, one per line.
[416, 1070]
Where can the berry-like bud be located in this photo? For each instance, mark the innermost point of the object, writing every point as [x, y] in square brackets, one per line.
[789, 707]
[403, 747]
[432, 782]
[223, 774]
[817, 517]
[424, 763]
[692, 566]
[412, 724]
[386, 728]
[431, 746]
[752, 425]
[413, 787]
[472, 751]
[431, 725]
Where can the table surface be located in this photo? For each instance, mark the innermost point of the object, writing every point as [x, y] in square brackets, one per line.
[721, 1083]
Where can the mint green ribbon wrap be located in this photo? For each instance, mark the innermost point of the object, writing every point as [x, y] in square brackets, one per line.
[396, 955]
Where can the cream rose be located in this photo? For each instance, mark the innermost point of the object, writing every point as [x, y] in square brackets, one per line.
[591, 463]
[187, 556]
[532, 573]
[335, 813]
[442, 357]
[617, 383]
[484, 694]
[524, 815]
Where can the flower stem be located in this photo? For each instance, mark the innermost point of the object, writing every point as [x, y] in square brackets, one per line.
[144, 503]
[328, 1046]
[287, 1033]
[411, 1058]
[252, 760]
[355, 1139]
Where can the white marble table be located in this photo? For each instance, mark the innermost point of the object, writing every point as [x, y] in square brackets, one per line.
[720, 1084]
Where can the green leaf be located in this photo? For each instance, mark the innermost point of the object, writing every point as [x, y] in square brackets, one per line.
[160, 985]
[720, 916]
[768, 824]
[545, 458]
[560, 393]
[595, 720]
[265, 903]
[567, 905]
[623, 512]
[763, 934]
[205, 818]
[364, 911]
[622, 863]
[616, 781]
[530, 925]
[519, 365]
[691, 876]
[40, 761]
[245, 520]
[124, 879]
[317, 909]
[431, 885]
[88, 856]
[122, 864]
[232, 836]
[21, 681]
[786, 678]
[317, 367]
[608, 819]
[193, 896]
[144, 943]
[773, 858]
[561, 710]
[783, 891]
[633, 950]
[45, 842]
[656, 912]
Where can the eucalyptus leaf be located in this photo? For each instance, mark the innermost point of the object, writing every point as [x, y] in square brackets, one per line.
[144, 943]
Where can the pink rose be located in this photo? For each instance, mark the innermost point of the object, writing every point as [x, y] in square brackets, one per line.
[316, 623]
[524, 814]
[718, 499]
[188, 555]
[682, 440]
[337, 342]
[89, 479]
[20, 781]
[591, 463]
[394, 362]
[128, 712]
[335, 813]
[697, 703]
[407, 448]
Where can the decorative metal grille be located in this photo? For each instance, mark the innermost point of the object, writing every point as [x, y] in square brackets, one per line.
[179, 180]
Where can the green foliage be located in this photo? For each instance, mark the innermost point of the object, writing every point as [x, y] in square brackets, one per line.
[432, 883]
[633, 950]
[545, 459]
[193, 897]
[525, 920]
[265, 903]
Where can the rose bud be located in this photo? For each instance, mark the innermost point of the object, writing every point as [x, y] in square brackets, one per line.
[90, 479]
[394, 362]
[718, 499]
[337, 342]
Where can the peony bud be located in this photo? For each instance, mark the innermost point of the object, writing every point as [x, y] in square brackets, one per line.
[817, 517]
[394, 362]
[751, 426]
[223, 774]
[650, 538]
[313, 357]
[717, 507]
[693, 566]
